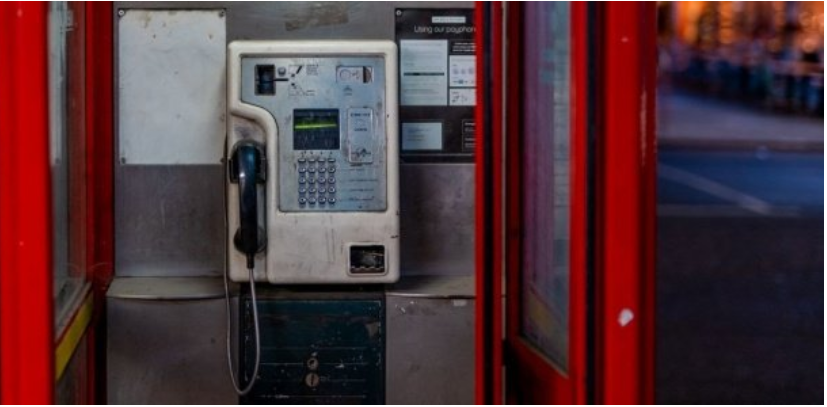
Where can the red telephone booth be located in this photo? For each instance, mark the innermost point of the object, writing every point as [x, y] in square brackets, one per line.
[566, 173]
[564, 222]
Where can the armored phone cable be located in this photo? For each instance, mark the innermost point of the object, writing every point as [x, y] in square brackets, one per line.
[257, 333]
[252, 382]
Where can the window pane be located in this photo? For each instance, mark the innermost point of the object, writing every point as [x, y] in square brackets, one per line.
[546, 152]
[67, 155]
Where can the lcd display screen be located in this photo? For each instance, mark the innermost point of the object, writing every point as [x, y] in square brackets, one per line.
[316, 129]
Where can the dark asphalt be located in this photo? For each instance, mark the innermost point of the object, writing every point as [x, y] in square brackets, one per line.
[740, 278]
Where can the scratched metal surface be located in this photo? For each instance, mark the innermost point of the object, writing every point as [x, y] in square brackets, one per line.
[166, 352]
[169, 222]
[316, 350]
[169, 218]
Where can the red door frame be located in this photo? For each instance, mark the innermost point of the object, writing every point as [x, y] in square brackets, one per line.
[488, 115]
[625, 278]
[26, 310]
[100, 182]
[26, 314]
[612, 214]
[537, 380]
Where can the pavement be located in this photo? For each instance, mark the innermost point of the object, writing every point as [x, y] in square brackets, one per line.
[740, 284]
[693, 121]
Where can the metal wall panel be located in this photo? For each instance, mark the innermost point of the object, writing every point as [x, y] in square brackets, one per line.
[171, 86]
[170, 350]
[169, 218]
[430, 341]
[169, 222]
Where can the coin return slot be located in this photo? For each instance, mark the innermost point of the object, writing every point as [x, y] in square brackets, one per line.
[368, 259]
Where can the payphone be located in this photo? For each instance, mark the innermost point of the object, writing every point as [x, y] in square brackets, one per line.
[312, 166]
[312, 137]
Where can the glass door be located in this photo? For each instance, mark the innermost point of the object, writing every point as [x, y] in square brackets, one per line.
[545, 202]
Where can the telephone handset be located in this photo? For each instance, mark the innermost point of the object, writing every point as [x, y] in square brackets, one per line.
[247, 169]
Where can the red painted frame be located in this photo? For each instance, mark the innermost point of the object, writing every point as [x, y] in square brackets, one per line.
[532, 378]
[488, 115]
[100, 181]
[26, 314]
[627, 162]
[619, 369]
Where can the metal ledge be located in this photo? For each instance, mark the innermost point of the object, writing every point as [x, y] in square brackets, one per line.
[168, 288]
[452, 287]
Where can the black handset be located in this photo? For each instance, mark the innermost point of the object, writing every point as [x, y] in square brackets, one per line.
[247, 169]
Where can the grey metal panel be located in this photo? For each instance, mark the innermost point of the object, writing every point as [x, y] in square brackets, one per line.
[433, 287]
[171, 86]
[167, 352]
[184, 236]
[437, 219]
[430, 352]
[169, 221]
[366, 20]
[168, 288]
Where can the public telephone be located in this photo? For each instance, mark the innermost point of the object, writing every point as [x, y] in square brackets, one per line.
[312, 184]
[312, 131]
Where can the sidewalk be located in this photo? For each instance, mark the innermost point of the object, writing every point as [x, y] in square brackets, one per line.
[690, 121]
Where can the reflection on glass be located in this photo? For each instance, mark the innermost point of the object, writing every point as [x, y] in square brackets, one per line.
[546, 152]
[67, 155]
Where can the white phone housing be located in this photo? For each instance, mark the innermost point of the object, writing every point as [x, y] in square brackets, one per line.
[314, 84]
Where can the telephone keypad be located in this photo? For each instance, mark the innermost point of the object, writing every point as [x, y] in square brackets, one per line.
[312, 171]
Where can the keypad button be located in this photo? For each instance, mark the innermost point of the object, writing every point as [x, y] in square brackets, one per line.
[312, 200]
[311, 160]
[322, 190]
[322, 169]
[302, 180]
[311, 169]
[302, 160]
[331, 160]
[331, 180]
[302, 200]
[331, 168]
[311, 180]
[302, 170]
[332, 190]
[331, 200]
[302, 190]
[312, 190]
[322, 180]
[322, 199]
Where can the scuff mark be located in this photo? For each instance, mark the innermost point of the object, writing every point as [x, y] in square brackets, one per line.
[625, 317]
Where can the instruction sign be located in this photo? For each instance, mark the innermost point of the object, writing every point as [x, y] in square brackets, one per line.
[437, 84]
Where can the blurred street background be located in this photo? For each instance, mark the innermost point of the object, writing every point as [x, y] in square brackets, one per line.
[741, 203]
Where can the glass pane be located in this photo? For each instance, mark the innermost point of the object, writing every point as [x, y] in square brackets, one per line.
[67, 155]
[546, 152]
